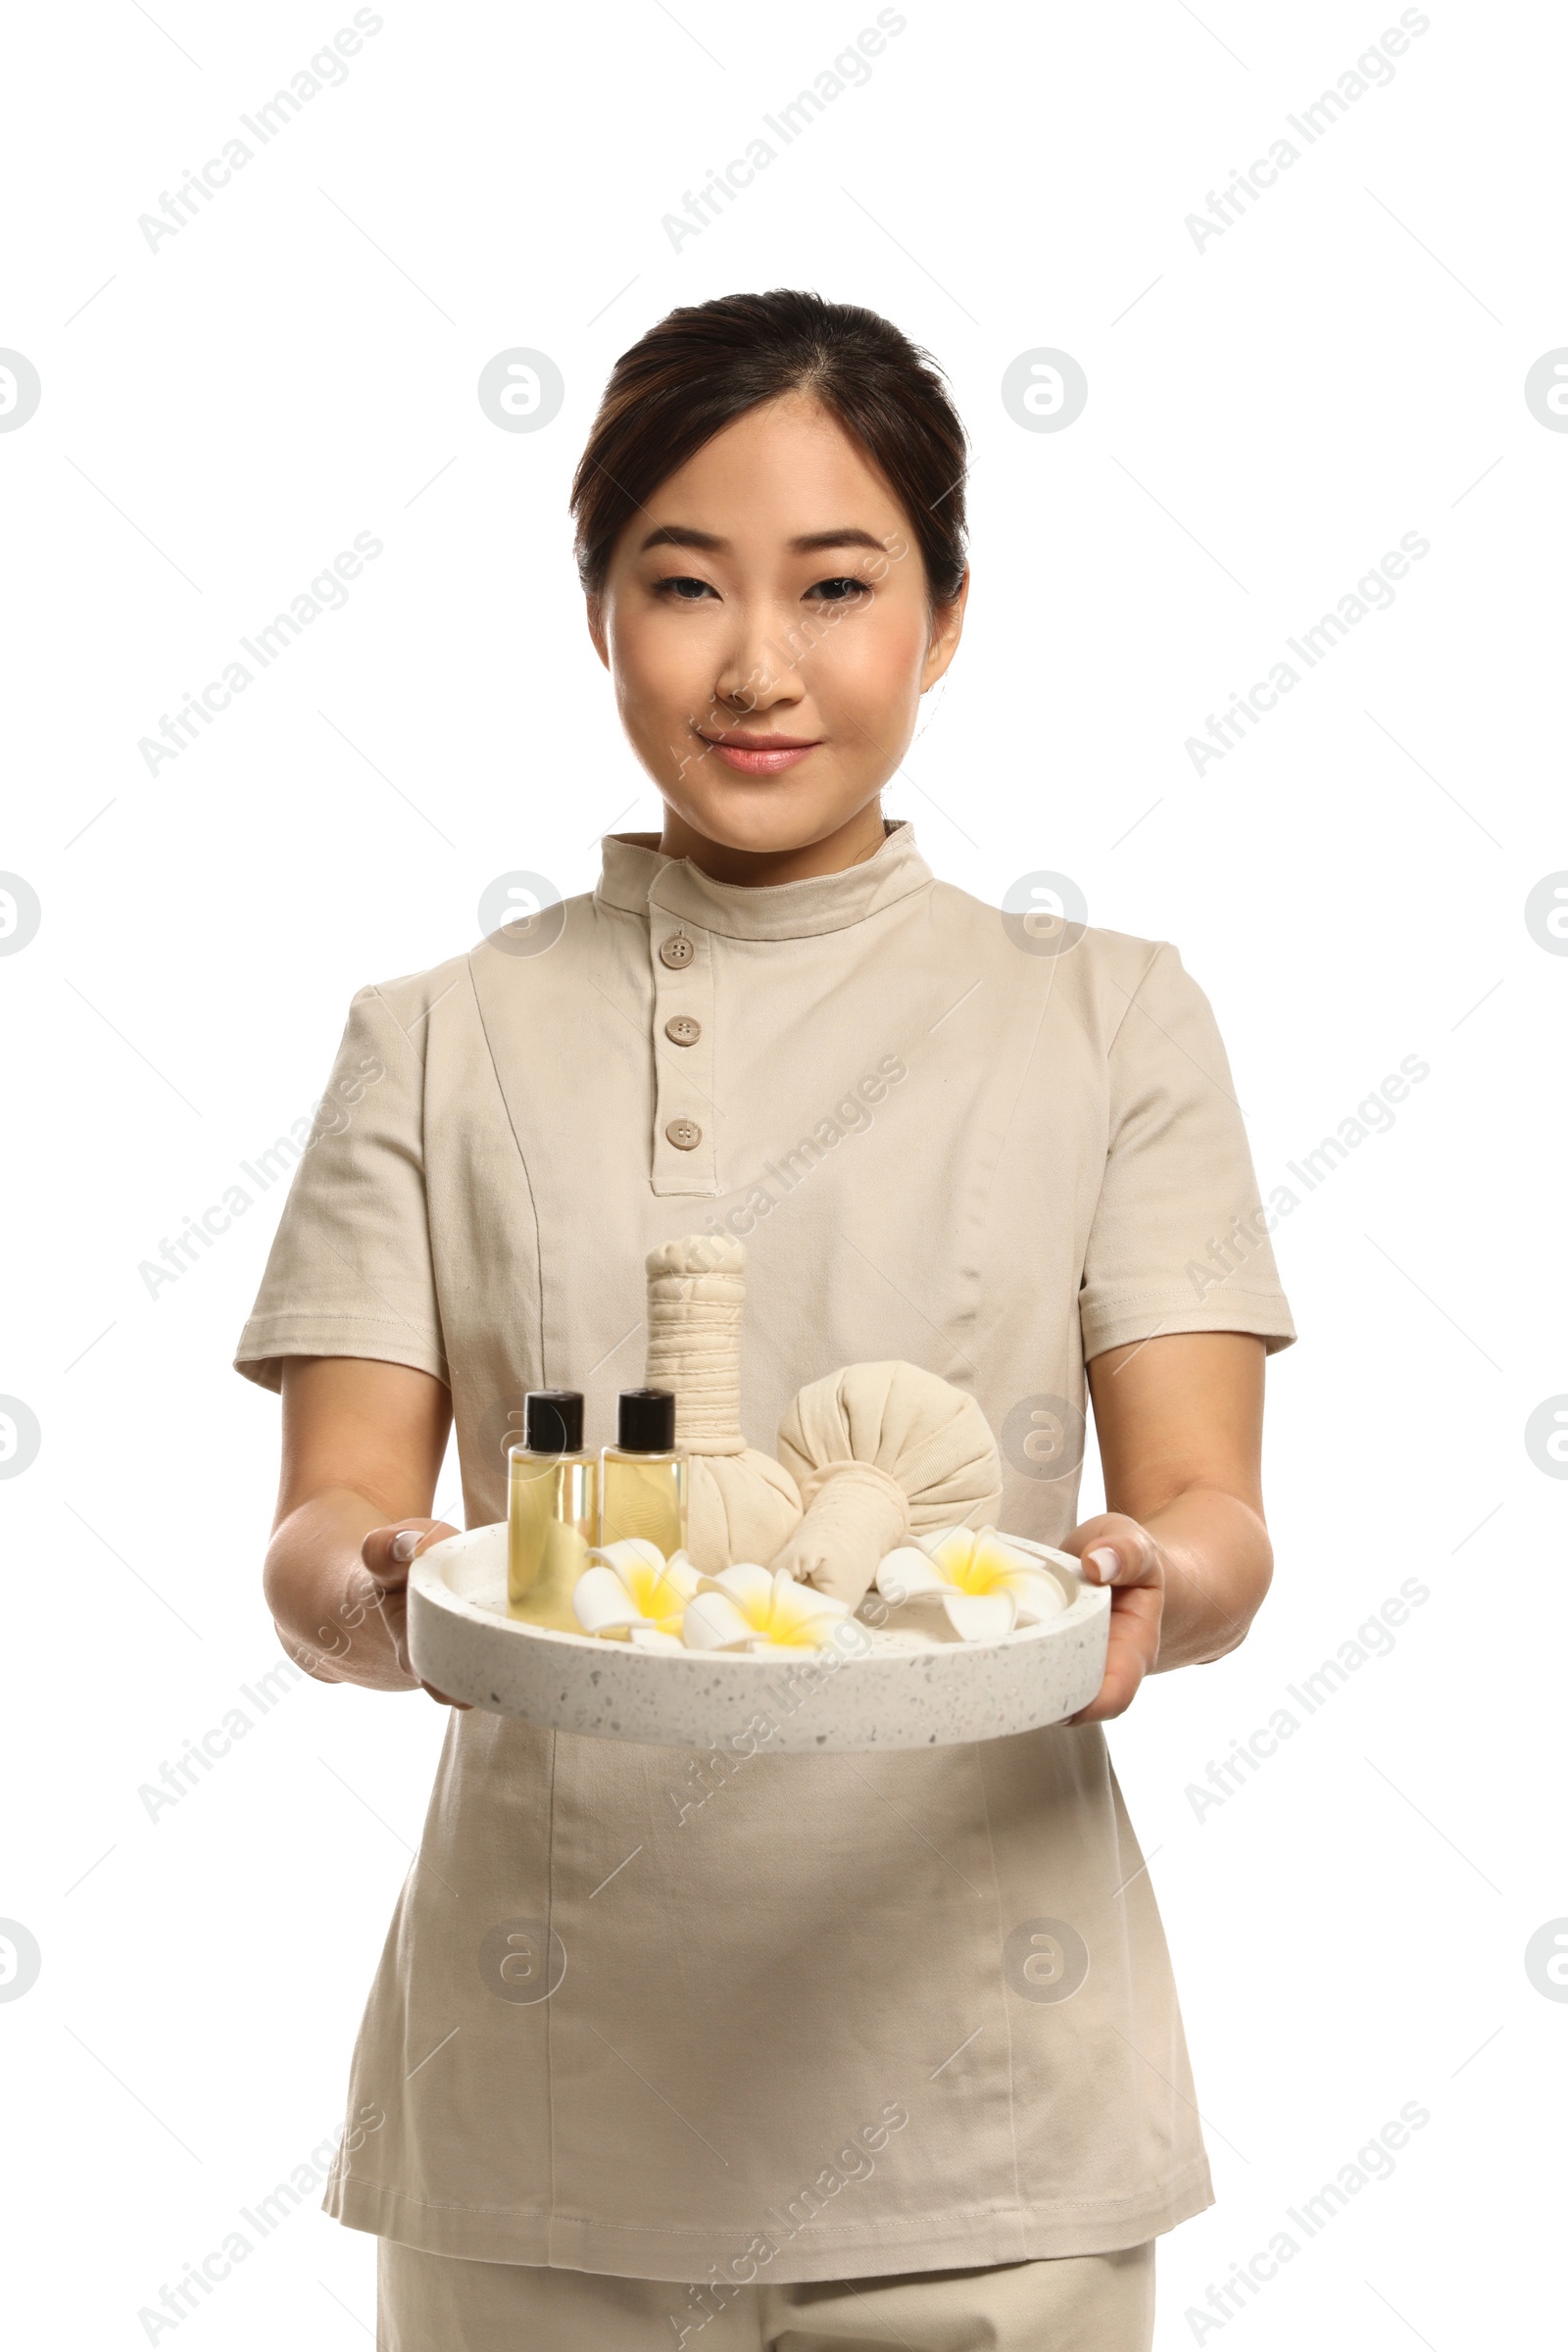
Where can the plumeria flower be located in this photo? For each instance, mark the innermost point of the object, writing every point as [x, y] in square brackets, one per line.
[635, 1595]
[759, 1609]
[986, 1585]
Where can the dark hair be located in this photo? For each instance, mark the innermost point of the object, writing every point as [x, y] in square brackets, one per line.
[705, 365]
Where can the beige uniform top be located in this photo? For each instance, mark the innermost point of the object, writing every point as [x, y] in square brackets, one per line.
[793, 2016]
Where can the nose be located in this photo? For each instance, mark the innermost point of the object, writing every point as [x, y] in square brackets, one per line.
[757, 671]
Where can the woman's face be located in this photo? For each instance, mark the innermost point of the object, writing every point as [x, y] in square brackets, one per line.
[766, 624]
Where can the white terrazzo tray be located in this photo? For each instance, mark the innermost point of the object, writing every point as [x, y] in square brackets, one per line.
[869, 1693]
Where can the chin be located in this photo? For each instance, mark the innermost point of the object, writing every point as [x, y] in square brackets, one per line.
[766, 819]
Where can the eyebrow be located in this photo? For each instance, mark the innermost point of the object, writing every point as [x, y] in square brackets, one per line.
[810, 543]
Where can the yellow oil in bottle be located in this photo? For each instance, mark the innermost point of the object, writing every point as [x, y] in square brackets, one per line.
[552, 1520]
[643, 1495]
[642, 1477]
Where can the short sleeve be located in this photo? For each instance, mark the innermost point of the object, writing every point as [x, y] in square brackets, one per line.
[350, 1270]
[1179, 1240]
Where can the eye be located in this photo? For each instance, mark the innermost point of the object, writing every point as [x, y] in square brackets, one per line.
[839, 590]
[682, 588]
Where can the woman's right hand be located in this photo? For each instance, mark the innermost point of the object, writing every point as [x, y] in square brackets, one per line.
[388, 1552]
[363, 1448]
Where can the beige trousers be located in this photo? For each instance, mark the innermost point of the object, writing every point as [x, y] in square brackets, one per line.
[1078, 2303]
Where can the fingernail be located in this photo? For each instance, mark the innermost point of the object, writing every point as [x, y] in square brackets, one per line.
[404, 1546]
[1101, 1564]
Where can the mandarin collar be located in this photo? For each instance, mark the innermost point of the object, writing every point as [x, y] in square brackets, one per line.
[638, 878]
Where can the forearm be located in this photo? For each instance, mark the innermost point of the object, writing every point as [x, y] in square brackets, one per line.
[1218, 1563]
[322, 1596]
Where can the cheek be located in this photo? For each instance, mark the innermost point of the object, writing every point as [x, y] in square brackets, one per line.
[872, 663]
[658, 664]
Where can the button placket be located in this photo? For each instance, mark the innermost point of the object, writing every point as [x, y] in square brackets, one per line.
[685, 1156]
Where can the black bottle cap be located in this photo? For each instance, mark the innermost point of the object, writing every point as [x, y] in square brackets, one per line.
[552, 1421]
[645, 1421]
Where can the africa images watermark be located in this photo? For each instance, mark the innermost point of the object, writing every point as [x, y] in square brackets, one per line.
[1373, 2161]
[850, 1115]
[1373, 593]
[325, 70]
[795, 1686]
[1373, 70]
[332, 1115]
[176, 1781]
[1373, 1116]
[184, 2298]
[854, 2161]
[1373, 1637]
[326, 592]
[849, 70]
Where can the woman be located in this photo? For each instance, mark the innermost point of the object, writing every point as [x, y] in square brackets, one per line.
[853, 2049]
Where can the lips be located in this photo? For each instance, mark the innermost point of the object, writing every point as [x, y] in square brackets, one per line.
[758, 755]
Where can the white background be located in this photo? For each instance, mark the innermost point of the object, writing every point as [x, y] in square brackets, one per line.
[1266, 415]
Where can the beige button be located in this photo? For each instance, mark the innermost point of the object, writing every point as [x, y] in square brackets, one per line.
[683, 1030]
[684, 1134]
[677, 952]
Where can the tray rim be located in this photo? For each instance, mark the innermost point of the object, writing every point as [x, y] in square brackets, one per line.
[428, 1579]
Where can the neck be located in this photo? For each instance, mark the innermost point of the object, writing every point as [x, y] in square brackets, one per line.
[860, 838]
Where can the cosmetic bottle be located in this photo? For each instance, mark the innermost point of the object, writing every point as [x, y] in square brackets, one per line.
[642, 1477]
[551, 1509]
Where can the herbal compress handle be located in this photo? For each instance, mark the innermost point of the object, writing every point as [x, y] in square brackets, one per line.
[741, 1504]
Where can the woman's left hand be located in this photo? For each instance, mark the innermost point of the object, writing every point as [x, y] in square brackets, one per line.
[1116, 1551]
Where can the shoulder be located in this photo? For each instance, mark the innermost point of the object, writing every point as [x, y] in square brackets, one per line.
[1086, 970]
[443, 1009]
[415, 1005]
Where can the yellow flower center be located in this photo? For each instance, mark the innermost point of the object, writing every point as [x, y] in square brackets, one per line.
[973, 1567]
[655, 1596]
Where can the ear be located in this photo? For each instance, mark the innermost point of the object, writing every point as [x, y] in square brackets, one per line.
[946, 628]
[596, 628]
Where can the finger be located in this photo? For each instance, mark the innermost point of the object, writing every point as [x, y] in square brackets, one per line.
[462, 1704]
[1131, 1651]
[393, 1610]
[392, 1607]
[1126, 1556]
[1125, 1668]
[376, 1554]
[389, 1551]
[1113, 1698]
[1104, 1527]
